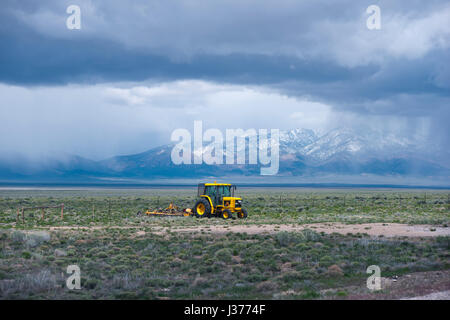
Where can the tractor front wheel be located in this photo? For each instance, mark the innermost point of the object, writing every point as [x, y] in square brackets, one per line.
[202, 208]
[226, 214]
[242, 214]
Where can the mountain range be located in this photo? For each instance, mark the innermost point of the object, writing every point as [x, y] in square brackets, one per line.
[303, 152]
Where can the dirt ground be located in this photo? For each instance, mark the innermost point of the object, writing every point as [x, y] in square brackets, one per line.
[430, 285]
[372, 229]
[444, 295]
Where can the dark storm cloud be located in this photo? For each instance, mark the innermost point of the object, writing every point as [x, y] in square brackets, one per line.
[406, 87]
[321, 50]
[250, 43]
[30, 58]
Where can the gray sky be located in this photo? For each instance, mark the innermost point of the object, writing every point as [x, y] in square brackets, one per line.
[136, 71]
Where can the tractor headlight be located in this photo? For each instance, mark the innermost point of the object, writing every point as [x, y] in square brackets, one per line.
[238, 203]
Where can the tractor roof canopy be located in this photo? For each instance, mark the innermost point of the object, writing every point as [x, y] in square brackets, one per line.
[217, 184]
[212, 189]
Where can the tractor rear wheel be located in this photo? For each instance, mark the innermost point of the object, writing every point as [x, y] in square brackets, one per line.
[242, 214]
[202, 208]
[226, 214]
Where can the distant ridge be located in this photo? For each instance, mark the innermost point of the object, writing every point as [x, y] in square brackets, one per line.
[303, 152]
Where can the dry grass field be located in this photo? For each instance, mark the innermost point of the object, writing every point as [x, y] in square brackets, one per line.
[296, 244]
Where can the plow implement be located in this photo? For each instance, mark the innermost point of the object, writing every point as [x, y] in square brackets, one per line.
[171, 210]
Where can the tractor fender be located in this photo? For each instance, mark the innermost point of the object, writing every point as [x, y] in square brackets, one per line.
[210, 202]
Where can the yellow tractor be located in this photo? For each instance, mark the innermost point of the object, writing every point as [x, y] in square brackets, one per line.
[217, 199]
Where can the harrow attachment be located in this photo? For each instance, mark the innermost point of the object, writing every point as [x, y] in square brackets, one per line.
[171, 210]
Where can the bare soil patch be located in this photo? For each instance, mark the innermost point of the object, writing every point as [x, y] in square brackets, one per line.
[429, 285]
[443, 295]
[372, 229]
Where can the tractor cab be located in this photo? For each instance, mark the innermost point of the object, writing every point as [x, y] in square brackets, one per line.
[217, 199]
[217, 192]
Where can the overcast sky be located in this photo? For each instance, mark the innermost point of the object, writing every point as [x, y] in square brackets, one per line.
[136, 70]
